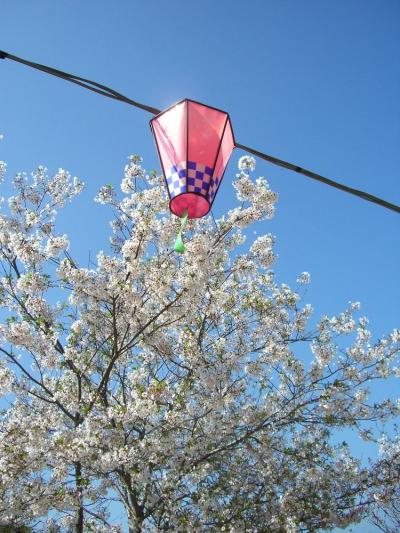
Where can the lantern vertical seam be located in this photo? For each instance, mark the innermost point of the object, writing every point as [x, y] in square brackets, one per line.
[234, 146]
[161, 161]
[216, 159]
[187, 147]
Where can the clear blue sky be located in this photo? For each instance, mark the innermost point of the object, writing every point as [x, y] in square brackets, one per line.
[314, 82]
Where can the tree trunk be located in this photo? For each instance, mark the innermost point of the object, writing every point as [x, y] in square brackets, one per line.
[78, 481]
[134, 525]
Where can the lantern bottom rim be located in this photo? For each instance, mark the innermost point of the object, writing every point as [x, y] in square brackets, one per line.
[195, 204]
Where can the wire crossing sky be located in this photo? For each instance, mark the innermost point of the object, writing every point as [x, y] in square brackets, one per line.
[111, 93]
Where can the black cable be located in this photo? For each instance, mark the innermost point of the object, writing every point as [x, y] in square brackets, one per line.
[111, 93]
[83, 82]
[361, 194]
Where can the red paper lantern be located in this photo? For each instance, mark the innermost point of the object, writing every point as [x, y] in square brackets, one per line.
[194, 142]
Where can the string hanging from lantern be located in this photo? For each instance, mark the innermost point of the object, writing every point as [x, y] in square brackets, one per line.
[179, 245]
[111, 93]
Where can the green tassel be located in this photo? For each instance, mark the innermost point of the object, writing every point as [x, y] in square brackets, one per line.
[179, 246]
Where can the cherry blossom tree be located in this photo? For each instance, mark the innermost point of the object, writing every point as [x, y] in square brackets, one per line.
[194, 390]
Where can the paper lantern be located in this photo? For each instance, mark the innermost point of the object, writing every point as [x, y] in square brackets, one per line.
[194, 142]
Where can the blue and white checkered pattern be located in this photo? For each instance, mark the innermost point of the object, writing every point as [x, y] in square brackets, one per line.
[198, 179]
[213, 188]
[176, 179]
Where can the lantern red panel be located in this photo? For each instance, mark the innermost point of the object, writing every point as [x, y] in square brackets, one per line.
[194, 142]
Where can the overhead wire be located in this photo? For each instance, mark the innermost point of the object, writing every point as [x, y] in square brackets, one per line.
[104, 90]
[94, 86]
[313, 175]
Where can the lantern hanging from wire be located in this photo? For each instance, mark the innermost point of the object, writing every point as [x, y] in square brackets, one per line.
[194, 142]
